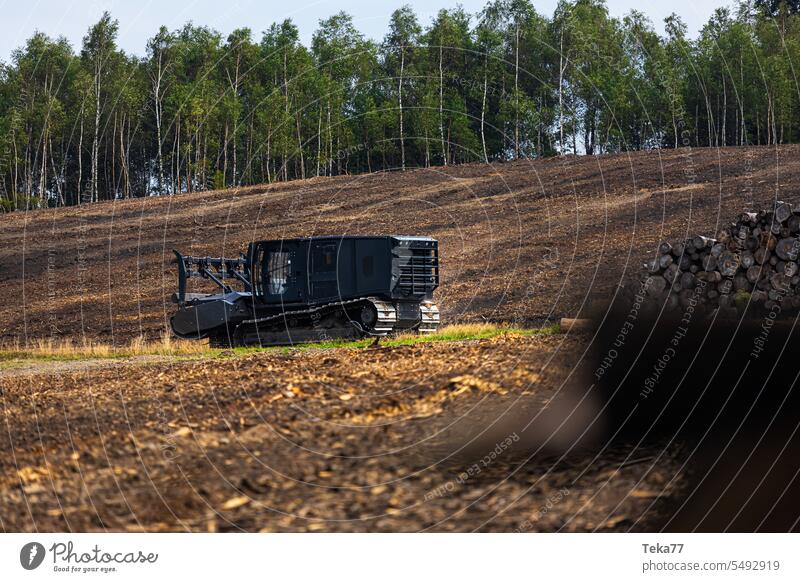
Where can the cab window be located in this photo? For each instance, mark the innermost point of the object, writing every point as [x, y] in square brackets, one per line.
[278, 266]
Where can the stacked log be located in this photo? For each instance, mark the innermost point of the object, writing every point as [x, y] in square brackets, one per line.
[753, 262]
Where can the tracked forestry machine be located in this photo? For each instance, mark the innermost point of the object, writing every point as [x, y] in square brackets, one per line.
[284, 292]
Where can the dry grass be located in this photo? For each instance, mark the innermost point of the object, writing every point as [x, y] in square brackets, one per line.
[466, 331]
[49, 349]
[70, 350]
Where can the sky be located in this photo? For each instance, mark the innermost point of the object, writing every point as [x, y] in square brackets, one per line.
[140, 19]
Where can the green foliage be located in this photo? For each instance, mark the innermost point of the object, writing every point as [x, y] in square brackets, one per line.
[219, 180]
[201, 111]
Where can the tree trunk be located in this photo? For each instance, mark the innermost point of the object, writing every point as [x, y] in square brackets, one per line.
[60, 199]
[43, 167]
[178, 155]
[300, 147]
[269, 153]
[15, 177]
[516, 93]
[96, 138]
[330, 140]
[724, 113]
[319, 140]
[483, 108]
[122, 161]
[80, 160]
[157, 79]
[234, 83]
[561, 68]
[441, 105]
[225, 158]
[400, 105]
[113, 157]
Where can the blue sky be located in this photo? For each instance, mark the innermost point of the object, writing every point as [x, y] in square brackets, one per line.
[141, 18]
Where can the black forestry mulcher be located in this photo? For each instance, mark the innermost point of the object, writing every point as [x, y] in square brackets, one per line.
[284, 292]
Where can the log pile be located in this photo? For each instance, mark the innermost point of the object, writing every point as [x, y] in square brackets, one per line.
[753, 262]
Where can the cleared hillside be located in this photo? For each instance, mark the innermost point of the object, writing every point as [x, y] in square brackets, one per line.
[523, 241]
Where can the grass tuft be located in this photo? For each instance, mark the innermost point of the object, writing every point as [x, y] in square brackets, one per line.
[449, 333]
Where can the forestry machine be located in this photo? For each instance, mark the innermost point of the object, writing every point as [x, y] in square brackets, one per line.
[284, 292]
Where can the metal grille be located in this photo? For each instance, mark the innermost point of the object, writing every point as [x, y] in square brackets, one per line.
[419, 273]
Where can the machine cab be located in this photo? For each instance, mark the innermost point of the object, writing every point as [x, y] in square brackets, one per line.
[321, 269]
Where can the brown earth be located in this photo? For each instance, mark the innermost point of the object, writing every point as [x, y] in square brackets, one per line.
[523, 241]
[333, 440]
[348, 440]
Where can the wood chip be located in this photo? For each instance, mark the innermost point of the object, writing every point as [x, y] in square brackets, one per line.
[235, 502]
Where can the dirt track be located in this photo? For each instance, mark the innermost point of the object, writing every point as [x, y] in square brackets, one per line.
[347, 440]
[527, 240]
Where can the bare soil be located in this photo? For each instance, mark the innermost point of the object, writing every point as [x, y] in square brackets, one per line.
[332, 440]
[349, 440]
[524, 241]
